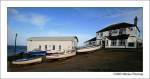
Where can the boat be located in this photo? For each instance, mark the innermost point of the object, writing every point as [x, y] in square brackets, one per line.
[61, 55]
[88, 49]
[27, 61]
[37, 53]
[32, 57]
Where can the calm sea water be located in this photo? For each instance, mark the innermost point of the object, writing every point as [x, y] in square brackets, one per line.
[19, 49]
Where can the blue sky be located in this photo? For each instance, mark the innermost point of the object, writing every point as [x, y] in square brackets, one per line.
[61, 21]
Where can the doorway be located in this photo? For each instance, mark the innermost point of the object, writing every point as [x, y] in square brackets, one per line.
[103, 43]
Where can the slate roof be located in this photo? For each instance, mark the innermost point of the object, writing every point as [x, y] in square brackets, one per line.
[117, 26]
[60, 38]
[93, 39]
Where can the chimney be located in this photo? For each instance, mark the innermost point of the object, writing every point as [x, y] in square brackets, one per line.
[135, 20]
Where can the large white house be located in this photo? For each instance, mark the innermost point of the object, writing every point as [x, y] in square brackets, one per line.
[120, 35]
[52, 43]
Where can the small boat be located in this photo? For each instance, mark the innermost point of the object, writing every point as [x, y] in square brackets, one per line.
[61, 55]
[27, 61]
[37, 53]
[88, 49]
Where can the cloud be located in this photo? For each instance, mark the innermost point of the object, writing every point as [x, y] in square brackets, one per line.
[137, 12]
[38, 20]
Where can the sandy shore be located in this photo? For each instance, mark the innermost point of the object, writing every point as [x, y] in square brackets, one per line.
[104, 60]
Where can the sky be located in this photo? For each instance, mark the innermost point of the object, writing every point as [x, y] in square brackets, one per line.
[82, 22]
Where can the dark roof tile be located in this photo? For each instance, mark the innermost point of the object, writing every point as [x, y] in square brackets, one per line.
[116, 26]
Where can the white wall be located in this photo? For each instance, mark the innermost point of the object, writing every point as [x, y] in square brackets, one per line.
[65, 45]
[130, 39]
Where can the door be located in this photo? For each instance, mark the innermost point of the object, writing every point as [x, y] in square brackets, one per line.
[103, 44]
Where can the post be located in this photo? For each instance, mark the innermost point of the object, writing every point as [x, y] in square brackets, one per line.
[136, 45]
[15, 41]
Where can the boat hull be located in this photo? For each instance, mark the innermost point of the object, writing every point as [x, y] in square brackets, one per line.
[36, 60]
[59, 56]
[88, 49]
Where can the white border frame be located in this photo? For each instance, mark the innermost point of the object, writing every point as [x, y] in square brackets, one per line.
[5, 4]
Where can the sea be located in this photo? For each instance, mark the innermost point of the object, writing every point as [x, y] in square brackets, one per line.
[19, 49]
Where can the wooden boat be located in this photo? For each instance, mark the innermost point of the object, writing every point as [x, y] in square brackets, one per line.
[37, 53]
[88, 49]
[61, 55]
[27, 61]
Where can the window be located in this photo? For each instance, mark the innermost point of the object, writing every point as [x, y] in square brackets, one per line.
[73, 47]
[45, 47]
[110, 33]
[59, 47]
[122, 31]
[101, 34]
[131, 44]
[39, 47]
[113, 42]
[114, 31]
[97, 33]
[106, 42]
[99, 42]
[121, 42]
[53, 47]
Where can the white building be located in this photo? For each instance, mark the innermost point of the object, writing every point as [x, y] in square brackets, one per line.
[52, 43]
[121, 35]
[90, 42]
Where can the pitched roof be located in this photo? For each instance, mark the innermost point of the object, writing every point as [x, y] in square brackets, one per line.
[93, 39]
[60, 38]
[117, 26]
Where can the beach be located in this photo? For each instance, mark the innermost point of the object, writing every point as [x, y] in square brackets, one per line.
[102, 60]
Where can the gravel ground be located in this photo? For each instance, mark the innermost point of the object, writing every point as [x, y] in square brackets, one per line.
[103, 60]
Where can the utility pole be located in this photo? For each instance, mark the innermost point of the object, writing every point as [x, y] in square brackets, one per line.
[15, 41]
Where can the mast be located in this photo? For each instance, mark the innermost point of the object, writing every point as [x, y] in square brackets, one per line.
[15, 41]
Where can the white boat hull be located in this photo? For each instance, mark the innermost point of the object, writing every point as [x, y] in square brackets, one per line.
[88, 49]
[60, 55]
[36, 60]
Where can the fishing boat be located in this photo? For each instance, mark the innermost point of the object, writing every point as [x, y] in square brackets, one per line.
[88, 49]
[61, 55]
[27, 61]
[33, 57]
